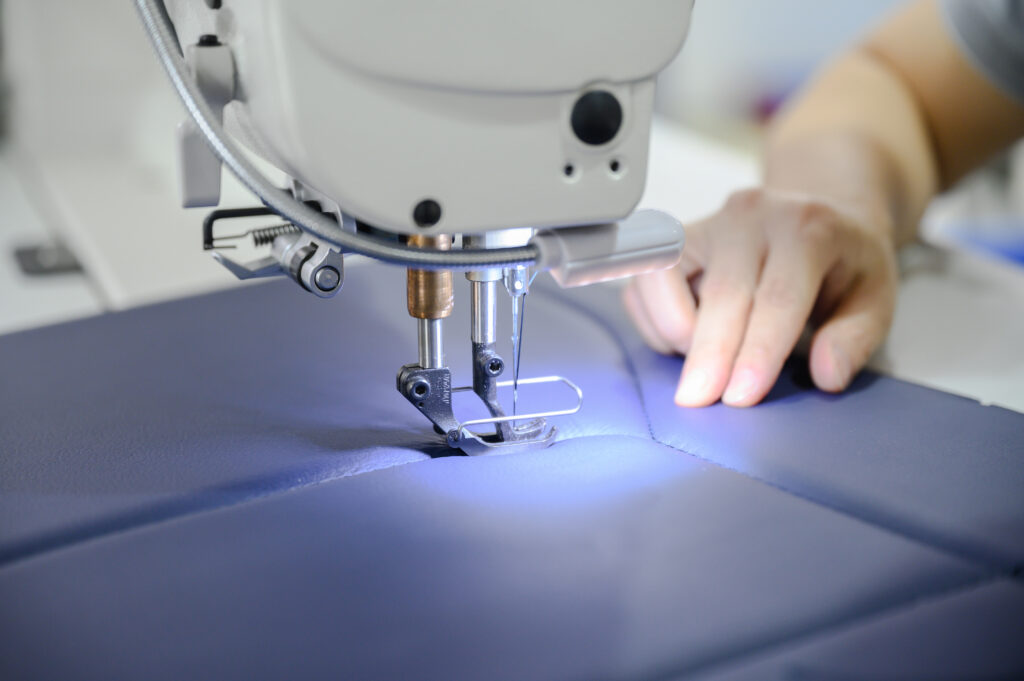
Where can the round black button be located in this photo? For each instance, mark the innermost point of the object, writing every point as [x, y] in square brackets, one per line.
[596, 117]
[427, 213]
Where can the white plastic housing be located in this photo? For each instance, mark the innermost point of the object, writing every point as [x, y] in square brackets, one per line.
[380, 105]
[646, 241]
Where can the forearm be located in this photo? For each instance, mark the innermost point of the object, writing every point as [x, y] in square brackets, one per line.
[857, 138]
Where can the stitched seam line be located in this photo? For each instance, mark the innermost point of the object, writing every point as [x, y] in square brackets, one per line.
[734, 659]
[992, 571]
[121, 522]
[197, 503]
[919, 535]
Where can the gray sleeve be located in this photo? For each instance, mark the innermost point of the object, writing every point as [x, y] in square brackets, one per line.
[991, 33]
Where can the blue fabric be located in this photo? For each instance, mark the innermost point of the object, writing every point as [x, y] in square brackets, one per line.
[229, 486]
[931, 466]
[970, 633]
[129, 418]
[610, 557]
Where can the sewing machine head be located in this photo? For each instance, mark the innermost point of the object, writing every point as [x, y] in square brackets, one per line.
[513, 135]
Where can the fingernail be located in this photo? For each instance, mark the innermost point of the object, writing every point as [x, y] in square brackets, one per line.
[741, 386]
[691, 390]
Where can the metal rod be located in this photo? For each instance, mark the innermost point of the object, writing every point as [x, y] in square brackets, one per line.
[431, 345]
[484, 309]
[536, 415]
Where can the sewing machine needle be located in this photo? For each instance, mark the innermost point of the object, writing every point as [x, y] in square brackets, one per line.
[518, 313]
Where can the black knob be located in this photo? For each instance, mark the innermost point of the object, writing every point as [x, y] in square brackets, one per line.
[596, 117]
[427, 213]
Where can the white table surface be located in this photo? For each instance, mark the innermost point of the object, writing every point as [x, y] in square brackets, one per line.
[27, 301]
[959, 325]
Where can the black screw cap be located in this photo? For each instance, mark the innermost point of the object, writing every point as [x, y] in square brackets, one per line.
[427, 213]
[596, 117]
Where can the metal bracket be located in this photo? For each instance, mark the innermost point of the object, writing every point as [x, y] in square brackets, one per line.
[213, 67]
[430, 391]
[255, 269]
[316, 267]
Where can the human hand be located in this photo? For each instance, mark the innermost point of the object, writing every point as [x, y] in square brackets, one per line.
[751, 277]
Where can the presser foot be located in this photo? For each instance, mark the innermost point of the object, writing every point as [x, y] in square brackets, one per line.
[430, 391]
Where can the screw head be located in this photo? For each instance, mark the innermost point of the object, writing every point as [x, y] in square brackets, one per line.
[420, 388]
[327, 279]
[495, 366]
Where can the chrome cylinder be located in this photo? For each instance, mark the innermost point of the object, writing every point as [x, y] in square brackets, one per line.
[483, 311]
[430, 343]
[497, 239]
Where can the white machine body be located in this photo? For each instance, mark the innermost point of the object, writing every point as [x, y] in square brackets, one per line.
[382, 105]
[482, 126]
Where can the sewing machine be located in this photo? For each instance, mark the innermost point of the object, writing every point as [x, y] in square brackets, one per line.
[495, 138]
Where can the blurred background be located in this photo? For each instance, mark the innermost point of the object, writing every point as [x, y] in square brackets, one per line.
[743, 58]
[89, 218]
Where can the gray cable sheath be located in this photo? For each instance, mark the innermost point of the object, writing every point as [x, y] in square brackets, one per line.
[154, 17]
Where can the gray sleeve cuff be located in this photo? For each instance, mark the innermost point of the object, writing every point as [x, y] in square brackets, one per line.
[991, 34]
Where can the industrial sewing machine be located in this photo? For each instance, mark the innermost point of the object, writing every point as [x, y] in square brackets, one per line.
[497, 138]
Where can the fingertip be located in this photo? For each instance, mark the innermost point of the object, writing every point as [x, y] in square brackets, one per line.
[677, 398]
[695, 389]
[745, 389]
[831, 369]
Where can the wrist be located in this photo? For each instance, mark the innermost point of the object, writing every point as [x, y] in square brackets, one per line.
[849, 173]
